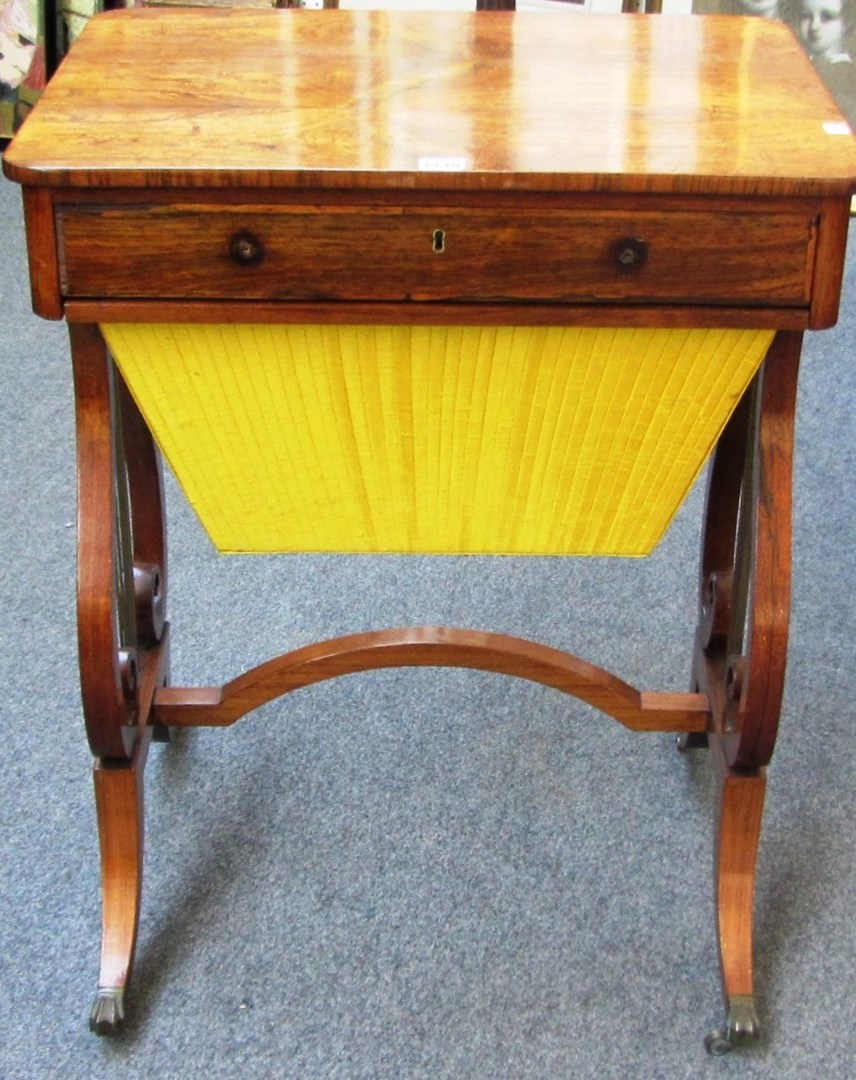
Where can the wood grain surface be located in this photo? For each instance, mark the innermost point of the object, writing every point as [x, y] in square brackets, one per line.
[441, 100]
[392, 253]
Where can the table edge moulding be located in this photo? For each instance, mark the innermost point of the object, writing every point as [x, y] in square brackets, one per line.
[508, 282]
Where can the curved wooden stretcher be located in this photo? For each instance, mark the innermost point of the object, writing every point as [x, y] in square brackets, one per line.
[706, 239]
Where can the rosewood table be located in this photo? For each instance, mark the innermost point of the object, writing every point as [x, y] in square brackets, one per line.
[438, 283]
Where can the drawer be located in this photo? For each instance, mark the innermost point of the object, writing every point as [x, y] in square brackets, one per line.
[444, 253]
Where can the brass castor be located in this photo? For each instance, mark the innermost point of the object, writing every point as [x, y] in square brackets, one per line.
[108, 1011]
[742, 1028]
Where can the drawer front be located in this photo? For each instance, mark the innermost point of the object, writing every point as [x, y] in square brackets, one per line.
[448, 254]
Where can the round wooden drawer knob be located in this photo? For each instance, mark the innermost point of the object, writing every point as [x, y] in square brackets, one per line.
[246, 249]
[629, 253]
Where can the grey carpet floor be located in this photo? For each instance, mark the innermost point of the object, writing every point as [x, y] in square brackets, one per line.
[415, 873]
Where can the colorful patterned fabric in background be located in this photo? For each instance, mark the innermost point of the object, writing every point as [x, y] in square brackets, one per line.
[31, 44]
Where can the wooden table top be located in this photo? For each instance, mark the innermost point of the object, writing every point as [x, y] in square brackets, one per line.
[490, 101]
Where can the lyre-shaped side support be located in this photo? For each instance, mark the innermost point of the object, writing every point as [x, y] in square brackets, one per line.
[122, 638]
[741, 651]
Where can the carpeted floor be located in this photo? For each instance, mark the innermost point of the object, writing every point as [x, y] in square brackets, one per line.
[417, 873]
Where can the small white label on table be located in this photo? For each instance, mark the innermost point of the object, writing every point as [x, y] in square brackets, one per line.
[442, 164]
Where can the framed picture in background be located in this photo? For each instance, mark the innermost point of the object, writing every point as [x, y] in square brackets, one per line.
[826, 28]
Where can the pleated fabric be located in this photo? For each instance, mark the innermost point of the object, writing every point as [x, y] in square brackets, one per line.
[516, 440]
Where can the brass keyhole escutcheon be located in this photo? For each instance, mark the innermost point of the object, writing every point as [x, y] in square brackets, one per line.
[438, 241]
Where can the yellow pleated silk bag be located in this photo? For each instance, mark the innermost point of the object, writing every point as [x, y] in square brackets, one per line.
[526, 440]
